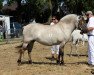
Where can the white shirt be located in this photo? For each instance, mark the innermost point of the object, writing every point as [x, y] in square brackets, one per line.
[52, 23]
[91, 24]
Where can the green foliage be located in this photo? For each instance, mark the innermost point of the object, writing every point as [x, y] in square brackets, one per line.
[11, 1]
[75, 5]
[40, 4]
[1, 4]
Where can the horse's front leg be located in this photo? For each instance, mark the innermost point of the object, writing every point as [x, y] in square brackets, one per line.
[62, 55]
[29, 60]
[60, 59]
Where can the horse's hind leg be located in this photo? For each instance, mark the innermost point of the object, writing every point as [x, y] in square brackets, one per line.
[21, 51]
[29, 47]
[71, 50]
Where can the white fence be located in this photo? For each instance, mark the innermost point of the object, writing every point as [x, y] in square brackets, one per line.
[14, 34]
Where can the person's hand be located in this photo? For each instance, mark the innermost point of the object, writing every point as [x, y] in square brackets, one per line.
[81, 32]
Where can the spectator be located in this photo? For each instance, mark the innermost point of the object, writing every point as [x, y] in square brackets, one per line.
[55, 48]
[90, 30]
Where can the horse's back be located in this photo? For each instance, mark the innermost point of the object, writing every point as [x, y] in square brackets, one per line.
[33, 27]
[30, 30]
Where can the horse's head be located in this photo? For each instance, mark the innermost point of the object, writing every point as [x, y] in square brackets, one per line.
[81, 21]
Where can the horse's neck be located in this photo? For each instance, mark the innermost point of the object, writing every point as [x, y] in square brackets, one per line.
[67, 30]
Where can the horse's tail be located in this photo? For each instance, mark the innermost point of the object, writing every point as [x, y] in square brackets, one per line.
[20, 49]
[19, 46]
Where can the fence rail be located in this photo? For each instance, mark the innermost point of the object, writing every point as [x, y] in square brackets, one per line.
[10, 35]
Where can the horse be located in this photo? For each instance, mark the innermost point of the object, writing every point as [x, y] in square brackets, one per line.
[76, 37]
[49, 35]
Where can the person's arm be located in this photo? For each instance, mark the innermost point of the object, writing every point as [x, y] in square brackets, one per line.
[91, 25]
[87, 30]
[90, 29]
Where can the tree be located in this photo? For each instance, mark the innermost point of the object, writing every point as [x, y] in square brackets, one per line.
[76, 6]
[1, 4]
[43, 9]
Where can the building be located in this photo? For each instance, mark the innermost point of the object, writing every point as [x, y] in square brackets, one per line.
[5, 22]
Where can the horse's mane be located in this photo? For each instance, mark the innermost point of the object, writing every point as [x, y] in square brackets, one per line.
[68, 18]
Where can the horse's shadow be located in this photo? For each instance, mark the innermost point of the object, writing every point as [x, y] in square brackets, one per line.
[39, 63]
[50, 58]
[50, 63]
[77, 55]
[78, 63]
[70, 62]
[53, 63]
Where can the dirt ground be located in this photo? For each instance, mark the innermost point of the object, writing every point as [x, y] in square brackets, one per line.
[42, 65]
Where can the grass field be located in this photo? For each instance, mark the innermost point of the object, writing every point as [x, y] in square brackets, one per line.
[42, 64]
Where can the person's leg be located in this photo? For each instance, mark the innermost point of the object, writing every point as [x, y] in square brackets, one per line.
[53, 51]
[91, 50]
[57, 50]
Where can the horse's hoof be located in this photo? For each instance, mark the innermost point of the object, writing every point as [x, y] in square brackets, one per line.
[52, 61]
[30, 61]
[19, 62]
[70, 55]
[58, 62]
[62, 63]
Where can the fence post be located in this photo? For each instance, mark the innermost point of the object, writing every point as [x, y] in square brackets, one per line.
[6, 34]
[1, 36]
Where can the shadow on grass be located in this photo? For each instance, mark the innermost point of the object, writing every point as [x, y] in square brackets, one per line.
[50, 63]
[39, 63]
[78, 63]
[50, 58]
[78, 55]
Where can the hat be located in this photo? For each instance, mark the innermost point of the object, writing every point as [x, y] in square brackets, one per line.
[89, 12]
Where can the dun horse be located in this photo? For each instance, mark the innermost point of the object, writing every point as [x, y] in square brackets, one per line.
[49, 35]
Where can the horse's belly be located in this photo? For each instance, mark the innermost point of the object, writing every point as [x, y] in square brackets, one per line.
[44, 42]
[49, 41]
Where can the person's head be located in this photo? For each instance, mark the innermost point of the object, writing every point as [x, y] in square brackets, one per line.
[89, 14]
[54, 19]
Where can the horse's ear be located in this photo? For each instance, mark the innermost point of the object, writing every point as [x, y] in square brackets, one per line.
[78, 18]
[84, 15]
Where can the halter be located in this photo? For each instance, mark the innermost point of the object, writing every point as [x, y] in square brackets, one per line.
[81, 22]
